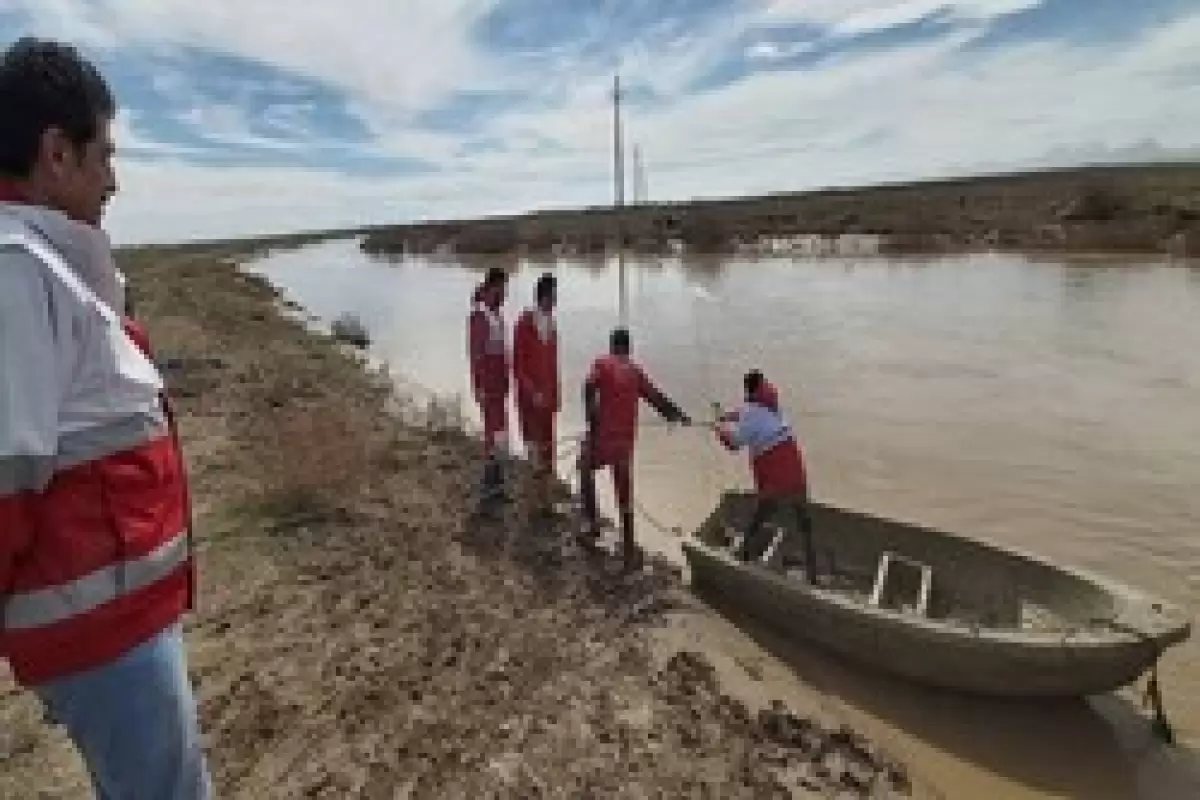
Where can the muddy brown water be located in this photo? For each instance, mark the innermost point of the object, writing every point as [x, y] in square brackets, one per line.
[1047, 404]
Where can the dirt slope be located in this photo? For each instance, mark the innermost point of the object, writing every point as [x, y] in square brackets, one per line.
[360, 634]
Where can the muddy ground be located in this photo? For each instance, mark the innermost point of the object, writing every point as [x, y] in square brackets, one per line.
[360, 633]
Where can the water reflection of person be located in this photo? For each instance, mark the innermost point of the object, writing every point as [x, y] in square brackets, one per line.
[780, 479]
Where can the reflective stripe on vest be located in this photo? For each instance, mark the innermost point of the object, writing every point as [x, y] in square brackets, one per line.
[55, 604]
[496, 344]
[543, 323]
[105, 440]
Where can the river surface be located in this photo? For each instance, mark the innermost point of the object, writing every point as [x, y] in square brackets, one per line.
[1047, 404]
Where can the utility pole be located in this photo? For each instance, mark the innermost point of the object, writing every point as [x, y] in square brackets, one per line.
[619, 192]
[618, 146]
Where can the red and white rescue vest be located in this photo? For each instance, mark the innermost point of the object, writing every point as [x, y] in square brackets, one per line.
[535, 359]
[95, 549]
[488, 351]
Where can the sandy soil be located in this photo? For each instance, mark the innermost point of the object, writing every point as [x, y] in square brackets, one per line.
[362, 633]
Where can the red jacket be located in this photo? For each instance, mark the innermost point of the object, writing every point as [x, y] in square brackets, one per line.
[95, 548]
[487, 348]
[619, 383]
[535, 360]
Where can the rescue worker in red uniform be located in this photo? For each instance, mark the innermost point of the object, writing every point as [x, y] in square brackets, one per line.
[96, 562]
[535, 369]
[777, 465]
[614, 386]
[489, 356]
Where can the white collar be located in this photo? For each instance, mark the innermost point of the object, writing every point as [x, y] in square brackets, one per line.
[543, 321]
[86, 249]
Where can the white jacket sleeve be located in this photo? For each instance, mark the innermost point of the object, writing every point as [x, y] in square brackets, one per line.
[33, 347]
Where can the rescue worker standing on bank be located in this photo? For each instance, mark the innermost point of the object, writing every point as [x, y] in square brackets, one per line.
[614, 386]
[535, 368]
[777, 464]
[95, 547]
[489, 356]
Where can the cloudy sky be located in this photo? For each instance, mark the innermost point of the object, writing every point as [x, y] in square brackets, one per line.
[246, 116]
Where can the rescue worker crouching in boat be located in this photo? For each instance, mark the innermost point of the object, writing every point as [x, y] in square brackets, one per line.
[487, 345]
[539, 394]
[777, 464]
[614, 385]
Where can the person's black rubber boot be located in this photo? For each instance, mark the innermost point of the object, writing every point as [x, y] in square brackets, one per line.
[490, 476]
[629, 548]
[492, 488]
[810, 554]
[589, 534]
[500, 491]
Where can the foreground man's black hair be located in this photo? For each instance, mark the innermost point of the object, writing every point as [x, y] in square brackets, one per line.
[44, 85]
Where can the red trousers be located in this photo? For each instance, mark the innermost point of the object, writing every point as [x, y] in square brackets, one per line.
[779, 472]
[618, 457]
[537, 431]
[495, 422]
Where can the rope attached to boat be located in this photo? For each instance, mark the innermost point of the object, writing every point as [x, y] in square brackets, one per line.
[1153, 699]
[1152, 695]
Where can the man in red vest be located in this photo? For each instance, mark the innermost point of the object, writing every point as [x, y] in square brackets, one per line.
[95, 546]
[487, 345]
[535, 367]
[777, 464]
[614, 386]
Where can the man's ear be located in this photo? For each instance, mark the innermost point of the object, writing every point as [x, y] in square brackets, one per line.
[56, 151]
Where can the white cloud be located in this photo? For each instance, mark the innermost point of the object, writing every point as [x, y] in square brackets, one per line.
[912, 110]
[402, 54]
[861, 16]
[775, 51]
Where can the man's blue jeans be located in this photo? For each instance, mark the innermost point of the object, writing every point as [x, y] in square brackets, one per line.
[134, 721]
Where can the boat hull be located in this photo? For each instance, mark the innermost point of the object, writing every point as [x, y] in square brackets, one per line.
[1122, 636]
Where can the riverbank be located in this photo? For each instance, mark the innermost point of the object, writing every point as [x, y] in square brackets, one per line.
[360, 634]
[1140, 209]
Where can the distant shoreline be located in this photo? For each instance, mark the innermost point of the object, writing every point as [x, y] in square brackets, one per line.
[1142, 209]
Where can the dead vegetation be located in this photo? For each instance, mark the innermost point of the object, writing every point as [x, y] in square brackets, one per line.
[1147, 209]
[360, 634]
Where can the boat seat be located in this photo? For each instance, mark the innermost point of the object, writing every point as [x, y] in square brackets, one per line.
[879, 593]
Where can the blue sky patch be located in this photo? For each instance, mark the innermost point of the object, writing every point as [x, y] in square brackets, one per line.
[591, 27]
[275, 104]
